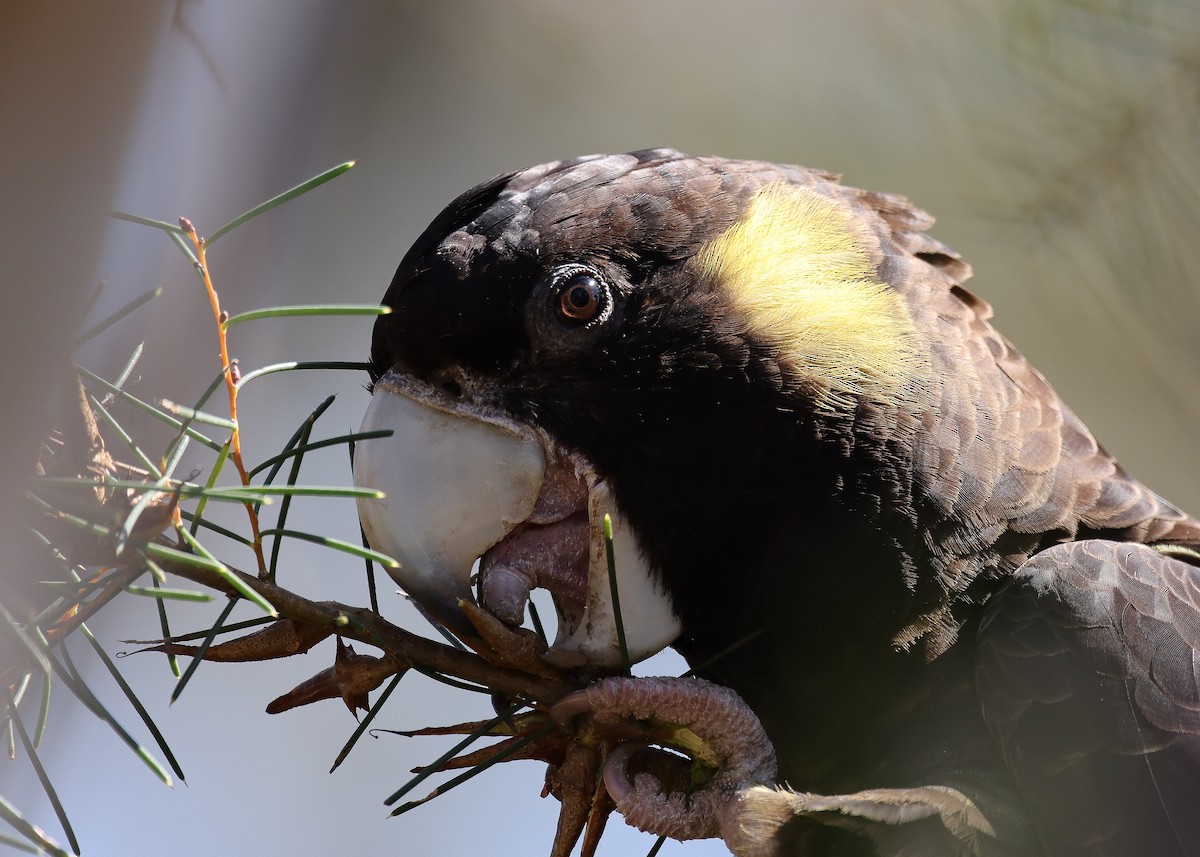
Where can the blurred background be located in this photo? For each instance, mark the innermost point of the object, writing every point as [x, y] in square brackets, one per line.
[1055, 141]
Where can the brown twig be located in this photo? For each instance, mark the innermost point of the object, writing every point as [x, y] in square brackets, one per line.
[229, 368]
[365, 626]
[78, 613]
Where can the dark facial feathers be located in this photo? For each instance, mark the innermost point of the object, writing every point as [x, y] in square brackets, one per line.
[985, 466]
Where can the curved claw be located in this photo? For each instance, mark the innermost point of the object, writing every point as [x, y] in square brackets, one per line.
[616, 772]
[564, 712]
[707, 721]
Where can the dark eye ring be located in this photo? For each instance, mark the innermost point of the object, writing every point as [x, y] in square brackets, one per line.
[581, 297]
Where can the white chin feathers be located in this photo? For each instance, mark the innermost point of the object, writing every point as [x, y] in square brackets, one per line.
[459, 479]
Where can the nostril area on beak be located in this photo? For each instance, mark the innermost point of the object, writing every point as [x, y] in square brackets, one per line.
[445, 381]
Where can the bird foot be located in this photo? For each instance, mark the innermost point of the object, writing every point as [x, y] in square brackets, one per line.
[658, 791]
[933, 821]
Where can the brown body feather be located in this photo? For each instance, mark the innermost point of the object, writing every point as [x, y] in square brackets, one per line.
[849, 555]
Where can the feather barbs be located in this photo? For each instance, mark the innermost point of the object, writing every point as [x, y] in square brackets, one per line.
[798, 267]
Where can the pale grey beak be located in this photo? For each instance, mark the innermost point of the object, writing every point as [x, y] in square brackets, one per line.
[458, 480]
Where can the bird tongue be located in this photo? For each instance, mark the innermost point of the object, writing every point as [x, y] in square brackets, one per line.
[548, 551]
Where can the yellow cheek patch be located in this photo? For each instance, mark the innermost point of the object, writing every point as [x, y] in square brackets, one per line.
[798, 268]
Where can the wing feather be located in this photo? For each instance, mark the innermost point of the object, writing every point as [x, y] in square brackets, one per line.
[1088, 678]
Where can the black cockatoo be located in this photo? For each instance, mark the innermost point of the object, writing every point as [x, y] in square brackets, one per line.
[867, 522]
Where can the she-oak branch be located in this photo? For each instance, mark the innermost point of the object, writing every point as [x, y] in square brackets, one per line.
[365, 626]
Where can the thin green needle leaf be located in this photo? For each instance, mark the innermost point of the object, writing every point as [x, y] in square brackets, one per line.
[146, 407]
[336, 544]
[108, 321]
[255, 492]
[173, 594]
[372, 592]
[452, 682]
[30, 831]
[69, 676]
[185, 557]
[108, 483]
[185, 247]
[19, 845]
[202, 649]
[36, 651]
[21, 687]
[80, 589]
[242, 588]
[299, 189]
[215, 384]
[658, 844]
[437, 626]
[455, 782]
[366, 721]
[612, 587]
[146, 221]
[163, 623]
[175, 450]
[73, 520]
[225, 629]
[173, 230]
[152, 494]
[193, 415]
[232, 494]
[312, 309]
[69, 665]
[90, 299]
[277, 542]
[198, 522]
[119, 537]
[10, 736]
[134, 701]
[436, 765]
[309, 364]
[42, 776]
[175, 453]
[59, 605]
[536, 619]
[124, 436]
[299, 437]
[39, 731]
[197, 519]
[130, 364]
[267, 370]
[158, 576]
[317, 444]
